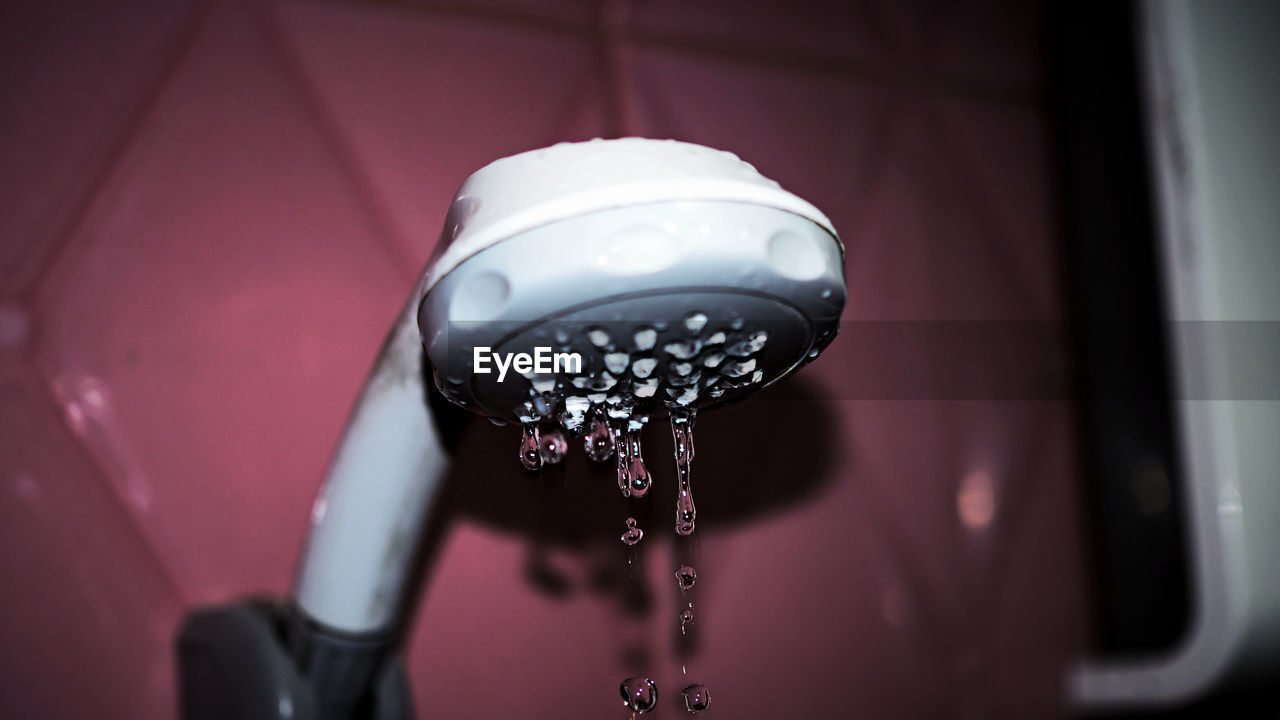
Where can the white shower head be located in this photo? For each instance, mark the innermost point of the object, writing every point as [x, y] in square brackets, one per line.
[677, 274]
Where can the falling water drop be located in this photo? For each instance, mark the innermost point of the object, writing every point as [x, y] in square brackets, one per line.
[686, 576]
[682, 419]
[686, 619]
[622, 447]
[598, 443]
[694, 322]
[696, 698]
[640, 694]
[633, 534]
[530, 454]
[553, 446]
[637, 480]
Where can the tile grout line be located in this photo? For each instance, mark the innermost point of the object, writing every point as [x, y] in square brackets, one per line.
[63, 240]
[81, 206]
[387, 235]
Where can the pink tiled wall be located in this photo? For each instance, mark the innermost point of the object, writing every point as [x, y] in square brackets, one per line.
[211, 212]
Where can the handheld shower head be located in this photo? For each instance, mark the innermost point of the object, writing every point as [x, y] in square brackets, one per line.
[675, 275]
[630, 277]
[616, 280]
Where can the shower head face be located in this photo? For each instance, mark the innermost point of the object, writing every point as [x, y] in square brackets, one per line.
[686, 299]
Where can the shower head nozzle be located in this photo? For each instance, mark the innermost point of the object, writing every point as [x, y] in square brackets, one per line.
[673, 274]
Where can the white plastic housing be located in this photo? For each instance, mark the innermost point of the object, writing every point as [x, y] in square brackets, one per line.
[637, 229]
[620, 236]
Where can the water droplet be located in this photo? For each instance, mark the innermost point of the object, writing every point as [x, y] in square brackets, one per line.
[757, 376]
[686, 619]
[640, 694]
[696, 698]
[637, 480]
[686, 576]
[598, 444]
[633, 534]
[645, 338]
[716, 338]
[580, 381]
[621, 450]
[620, 409]
[686, 396]
[530, 455]
[750, 345]
[602, 381]
[736, 324]
[598, 336]
[562, 336]
[683, 349]
[646, 388]
[639, 477]
[682, 380]
[544, 383]
[617, 362]
[540, 406]
[713, 359]
[643, 367]
[694, 322]
[682, 368]
[553, 446]
[526, 413]
[682, 420]
[738, 369]
[575, 412]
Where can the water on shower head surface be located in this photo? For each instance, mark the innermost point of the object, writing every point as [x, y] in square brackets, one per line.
[590, 288]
